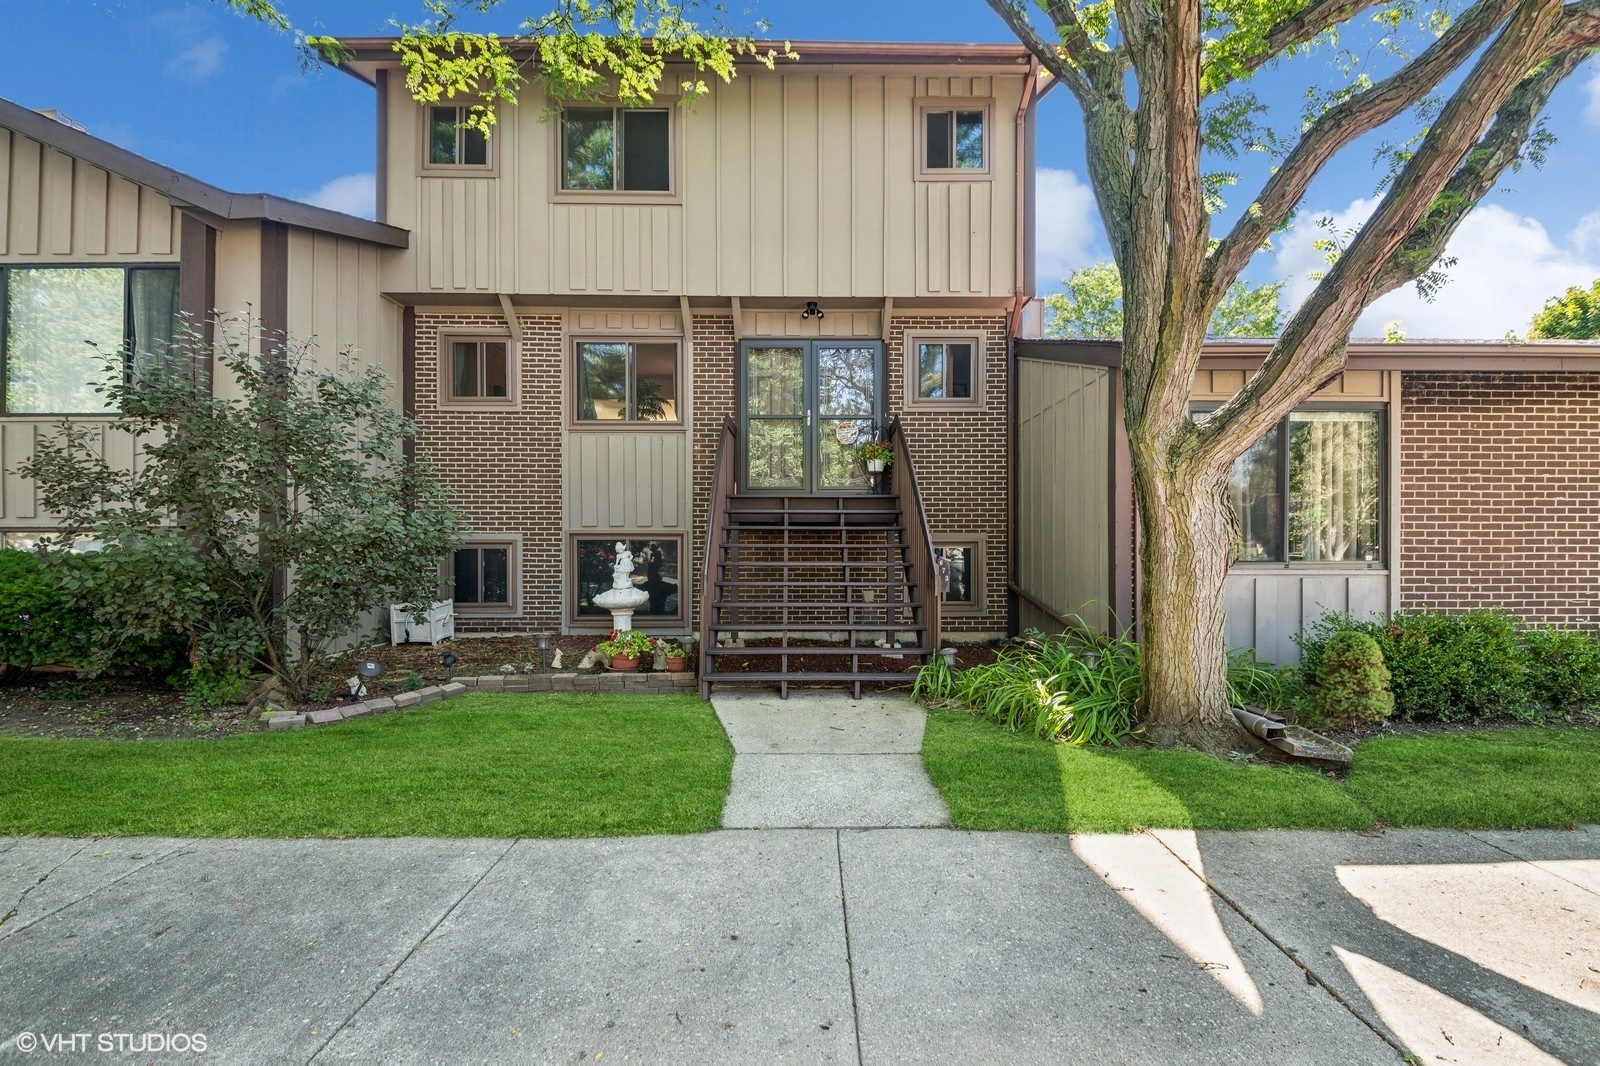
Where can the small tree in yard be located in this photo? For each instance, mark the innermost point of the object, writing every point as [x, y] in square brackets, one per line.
[261, 527]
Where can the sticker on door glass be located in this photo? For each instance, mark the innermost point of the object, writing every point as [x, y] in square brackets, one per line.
[847, 432]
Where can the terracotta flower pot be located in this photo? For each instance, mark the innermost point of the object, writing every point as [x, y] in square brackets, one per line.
[624, 662]
[677, 666]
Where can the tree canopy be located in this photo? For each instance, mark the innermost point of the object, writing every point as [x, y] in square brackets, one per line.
[1574, 315]
[1091, 307]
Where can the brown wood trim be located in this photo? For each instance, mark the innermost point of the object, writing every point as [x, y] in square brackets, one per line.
[408, 374]
[197, 283]
[1084, 353]
[274, 288]
[1018, 592]
[381, 203]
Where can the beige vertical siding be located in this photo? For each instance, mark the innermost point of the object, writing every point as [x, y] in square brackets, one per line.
[57, 209]
[1063, 500]
[627, 481]
[19, 499]
[1267, 609]
[335, 306]
[798, 183]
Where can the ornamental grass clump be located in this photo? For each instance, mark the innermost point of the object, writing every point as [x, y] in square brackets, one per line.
[1079, 688]
[1352, 682]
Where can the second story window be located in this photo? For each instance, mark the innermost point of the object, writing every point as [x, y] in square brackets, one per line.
[451, 143]
[609, 149]
[955, 140]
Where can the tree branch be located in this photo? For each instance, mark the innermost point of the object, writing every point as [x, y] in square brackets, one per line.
[1317, 17]
[1070, 71]
[1338, 127]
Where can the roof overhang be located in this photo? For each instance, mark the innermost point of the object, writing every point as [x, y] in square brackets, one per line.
[1423, 356]
[191, 193]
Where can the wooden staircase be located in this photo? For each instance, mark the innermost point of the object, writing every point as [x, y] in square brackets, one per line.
[817, 589]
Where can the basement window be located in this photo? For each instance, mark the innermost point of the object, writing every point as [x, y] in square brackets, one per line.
[656, 572]
[483, 575]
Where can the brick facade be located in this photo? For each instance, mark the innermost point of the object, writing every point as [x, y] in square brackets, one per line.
[504, 464]
[1500, 494]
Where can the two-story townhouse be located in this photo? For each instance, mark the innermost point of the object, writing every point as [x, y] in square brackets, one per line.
[811, 253]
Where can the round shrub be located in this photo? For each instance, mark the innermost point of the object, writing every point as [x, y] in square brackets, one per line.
[37, 623]
[1352, 681]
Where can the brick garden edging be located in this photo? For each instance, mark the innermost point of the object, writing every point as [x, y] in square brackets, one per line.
[658, 683]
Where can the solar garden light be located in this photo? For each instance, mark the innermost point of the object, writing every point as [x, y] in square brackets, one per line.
[544, 650]
[949, 657]
[449, 661]
[369, 671]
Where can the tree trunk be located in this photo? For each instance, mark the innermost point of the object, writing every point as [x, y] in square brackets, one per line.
[1187, 543]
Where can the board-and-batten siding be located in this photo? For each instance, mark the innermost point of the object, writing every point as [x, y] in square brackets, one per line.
[798, 184]
[334, 302]
[54, 208]
[626, 481]
[1063, 498]
[19, 497]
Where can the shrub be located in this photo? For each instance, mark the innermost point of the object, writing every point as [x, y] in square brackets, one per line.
[1442, 667]
[1352, 682]
[1563, 669]
[37, 623]
[207, 686]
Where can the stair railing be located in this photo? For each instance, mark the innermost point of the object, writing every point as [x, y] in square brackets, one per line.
[926, 572]
[722, 486]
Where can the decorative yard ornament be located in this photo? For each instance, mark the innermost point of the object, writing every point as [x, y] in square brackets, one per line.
[622, 597]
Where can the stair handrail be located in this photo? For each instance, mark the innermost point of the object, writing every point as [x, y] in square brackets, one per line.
[722, 487]
[925, 569]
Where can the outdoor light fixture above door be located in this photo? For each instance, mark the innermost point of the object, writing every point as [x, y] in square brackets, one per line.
[813, 311]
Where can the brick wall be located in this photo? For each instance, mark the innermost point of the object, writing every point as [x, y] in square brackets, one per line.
[1500, 494]
[503, 464]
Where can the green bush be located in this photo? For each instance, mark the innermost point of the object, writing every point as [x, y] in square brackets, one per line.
[37, 622]
[1443, 667]
[1352, 682]
[205, 687]
[1563, 669]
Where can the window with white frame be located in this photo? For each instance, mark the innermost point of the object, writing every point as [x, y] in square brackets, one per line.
[451, 142]
[616, 149]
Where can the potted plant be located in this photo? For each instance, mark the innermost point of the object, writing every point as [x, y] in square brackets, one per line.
[625, 649]
[677, 657]
[876, 454]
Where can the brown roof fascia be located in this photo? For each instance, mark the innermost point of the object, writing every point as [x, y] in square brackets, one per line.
[186, 191]
[1429, 356]
[369, 53]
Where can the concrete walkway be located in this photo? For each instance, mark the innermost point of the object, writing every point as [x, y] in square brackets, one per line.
[836, 944]
[816, 760]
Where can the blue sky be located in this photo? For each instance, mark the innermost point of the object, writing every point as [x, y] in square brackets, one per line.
[191, 85]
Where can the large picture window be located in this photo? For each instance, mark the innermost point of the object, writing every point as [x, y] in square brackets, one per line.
[655, 572]
[58, 324]
[625, 381]
[607, 149]
[1311, 490]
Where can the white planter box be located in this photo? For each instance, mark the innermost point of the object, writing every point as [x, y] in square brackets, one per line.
[440, 624]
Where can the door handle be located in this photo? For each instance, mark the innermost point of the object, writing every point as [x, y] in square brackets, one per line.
[808, 418]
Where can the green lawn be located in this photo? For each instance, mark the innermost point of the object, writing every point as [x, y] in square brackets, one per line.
[480, 765]
[992, 779]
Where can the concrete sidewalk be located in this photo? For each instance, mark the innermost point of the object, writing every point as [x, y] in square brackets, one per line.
[814, 945]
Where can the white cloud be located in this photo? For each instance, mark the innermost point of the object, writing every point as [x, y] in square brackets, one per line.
[1066, 226]
[198, 62]
[1506, 266]
[1591, 113]
[353, 194]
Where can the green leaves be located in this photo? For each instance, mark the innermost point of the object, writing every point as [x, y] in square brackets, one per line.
[1575, 314]
[1092, 307]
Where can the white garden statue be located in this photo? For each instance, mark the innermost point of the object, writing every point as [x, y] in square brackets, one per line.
[623, 596]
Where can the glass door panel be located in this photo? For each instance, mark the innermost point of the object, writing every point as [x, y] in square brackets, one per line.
[847, 407]
[775, 418]
[806, 404]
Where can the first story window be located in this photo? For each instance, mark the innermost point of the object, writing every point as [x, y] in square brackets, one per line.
[478, 369]
[482, 575]
[606, 149]
[946, 369]
[451, 142]
[626, 381]
[59, 325]
[1311, 490]
[655, 572]
[960, 566]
